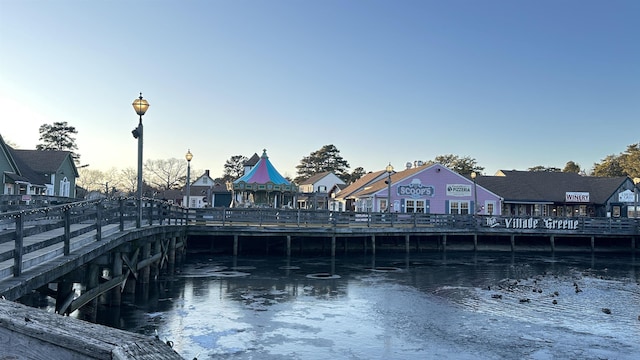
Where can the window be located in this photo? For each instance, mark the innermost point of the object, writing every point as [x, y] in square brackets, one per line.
[382, 205]
[415, 206]
[491, 207]
[459, 207]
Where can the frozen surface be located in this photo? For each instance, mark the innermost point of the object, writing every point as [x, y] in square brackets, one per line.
[453, 306]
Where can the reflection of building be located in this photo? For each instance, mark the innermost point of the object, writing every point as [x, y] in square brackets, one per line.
[263, 186]
[315, 192]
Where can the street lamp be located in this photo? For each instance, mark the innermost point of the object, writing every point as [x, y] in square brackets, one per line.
[475, 194]
[636, 193]
[188, 156]
[389, 170]
[140, 105]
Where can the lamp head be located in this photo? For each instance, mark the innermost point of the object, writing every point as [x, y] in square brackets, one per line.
[473, 175]
[140, 105]
[188, 156]
[389, 168]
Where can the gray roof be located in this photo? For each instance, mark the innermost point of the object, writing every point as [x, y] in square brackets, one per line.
[542, 186]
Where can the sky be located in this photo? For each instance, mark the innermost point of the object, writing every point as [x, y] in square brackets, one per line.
[511, 84]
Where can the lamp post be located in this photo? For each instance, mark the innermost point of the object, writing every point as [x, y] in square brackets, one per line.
[475, 194]
[389, 170]
[140, 105]
[188, 156]
[636, 193]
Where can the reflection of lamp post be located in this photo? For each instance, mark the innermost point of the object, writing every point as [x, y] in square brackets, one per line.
[188, 156]
[475, 194]
[389, 170]
[140, 105]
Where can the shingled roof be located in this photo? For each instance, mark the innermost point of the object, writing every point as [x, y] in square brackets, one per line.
[546, 187]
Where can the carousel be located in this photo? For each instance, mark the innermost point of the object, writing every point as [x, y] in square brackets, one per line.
[262, 186]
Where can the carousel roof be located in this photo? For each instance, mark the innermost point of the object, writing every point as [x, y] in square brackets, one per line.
[262, 173]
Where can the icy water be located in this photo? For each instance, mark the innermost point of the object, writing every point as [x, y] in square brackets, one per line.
[426, 306]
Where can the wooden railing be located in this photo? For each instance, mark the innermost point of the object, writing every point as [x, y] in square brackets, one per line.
[92, 215]
[95, 214]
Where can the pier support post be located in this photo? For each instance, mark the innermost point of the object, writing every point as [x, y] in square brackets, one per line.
[475, 242]
[444, 242]
[172, 255]
[593, 244]
[513, 243]
[145, 271]
[552, 239]
[116, 293]
[633, 244]
[333, 246]
[65, 288]
[155, 266]
[91, 309]
[373, 244]
[235, 245]
[407, 243]
[288, 245]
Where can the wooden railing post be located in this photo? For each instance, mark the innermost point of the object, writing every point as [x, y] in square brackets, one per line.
[121, 208]
[17, 251]
[151, 204]
[66, 213]
[99, 221]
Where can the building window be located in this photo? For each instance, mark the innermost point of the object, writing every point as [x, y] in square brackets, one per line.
[491, 207]
[382, 205]
[459, 207]
[415, 206]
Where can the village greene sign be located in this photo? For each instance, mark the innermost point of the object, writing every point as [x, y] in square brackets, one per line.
[533, 223]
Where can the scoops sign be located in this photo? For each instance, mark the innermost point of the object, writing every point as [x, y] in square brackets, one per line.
[416, 190]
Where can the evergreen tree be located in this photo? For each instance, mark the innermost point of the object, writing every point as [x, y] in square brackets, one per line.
[234, 168]
[325, 159]
[58, 136]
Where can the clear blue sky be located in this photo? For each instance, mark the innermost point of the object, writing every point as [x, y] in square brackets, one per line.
[513, 84]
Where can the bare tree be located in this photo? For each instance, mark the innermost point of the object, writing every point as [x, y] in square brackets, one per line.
[165, 174]
[129, 180]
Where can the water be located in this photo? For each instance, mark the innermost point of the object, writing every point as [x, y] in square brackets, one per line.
[453, 306]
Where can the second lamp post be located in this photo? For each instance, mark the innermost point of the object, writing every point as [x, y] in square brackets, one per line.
[188, 156]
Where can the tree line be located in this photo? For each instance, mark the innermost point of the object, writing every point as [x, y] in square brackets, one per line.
[170, 174]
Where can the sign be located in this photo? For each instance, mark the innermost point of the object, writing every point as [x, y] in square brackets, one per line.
[416, 190]
[533, 223]
[458, 190]
[576, 196]
[626, 196]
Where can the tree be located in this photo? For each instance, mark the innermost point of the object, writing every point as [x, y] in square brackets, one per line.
[571, 167]
[464, 165]
[58, 136]
[630, 160]
[356, 174]
[129, 180]
[165, 174]
[326, 158]
[540, 168]
[234, 168]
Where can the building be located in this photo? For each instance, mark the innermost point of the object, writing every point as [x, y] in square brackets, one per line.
[430, 189]
[315, 192]
[37, 172]
[563, 194]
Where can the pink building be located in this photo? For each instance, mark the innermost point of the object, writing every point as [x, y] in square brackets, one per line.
[426, 189]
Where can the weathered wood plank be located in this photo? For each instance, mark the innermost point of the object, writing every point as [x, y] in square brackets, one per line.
[31, 333]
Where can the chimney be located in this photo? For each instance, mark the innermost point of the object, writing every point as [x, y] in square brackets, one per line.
[206, 172]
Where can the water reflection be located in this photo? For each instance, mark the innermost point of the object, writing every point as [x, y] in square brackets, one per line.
[458, 306]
